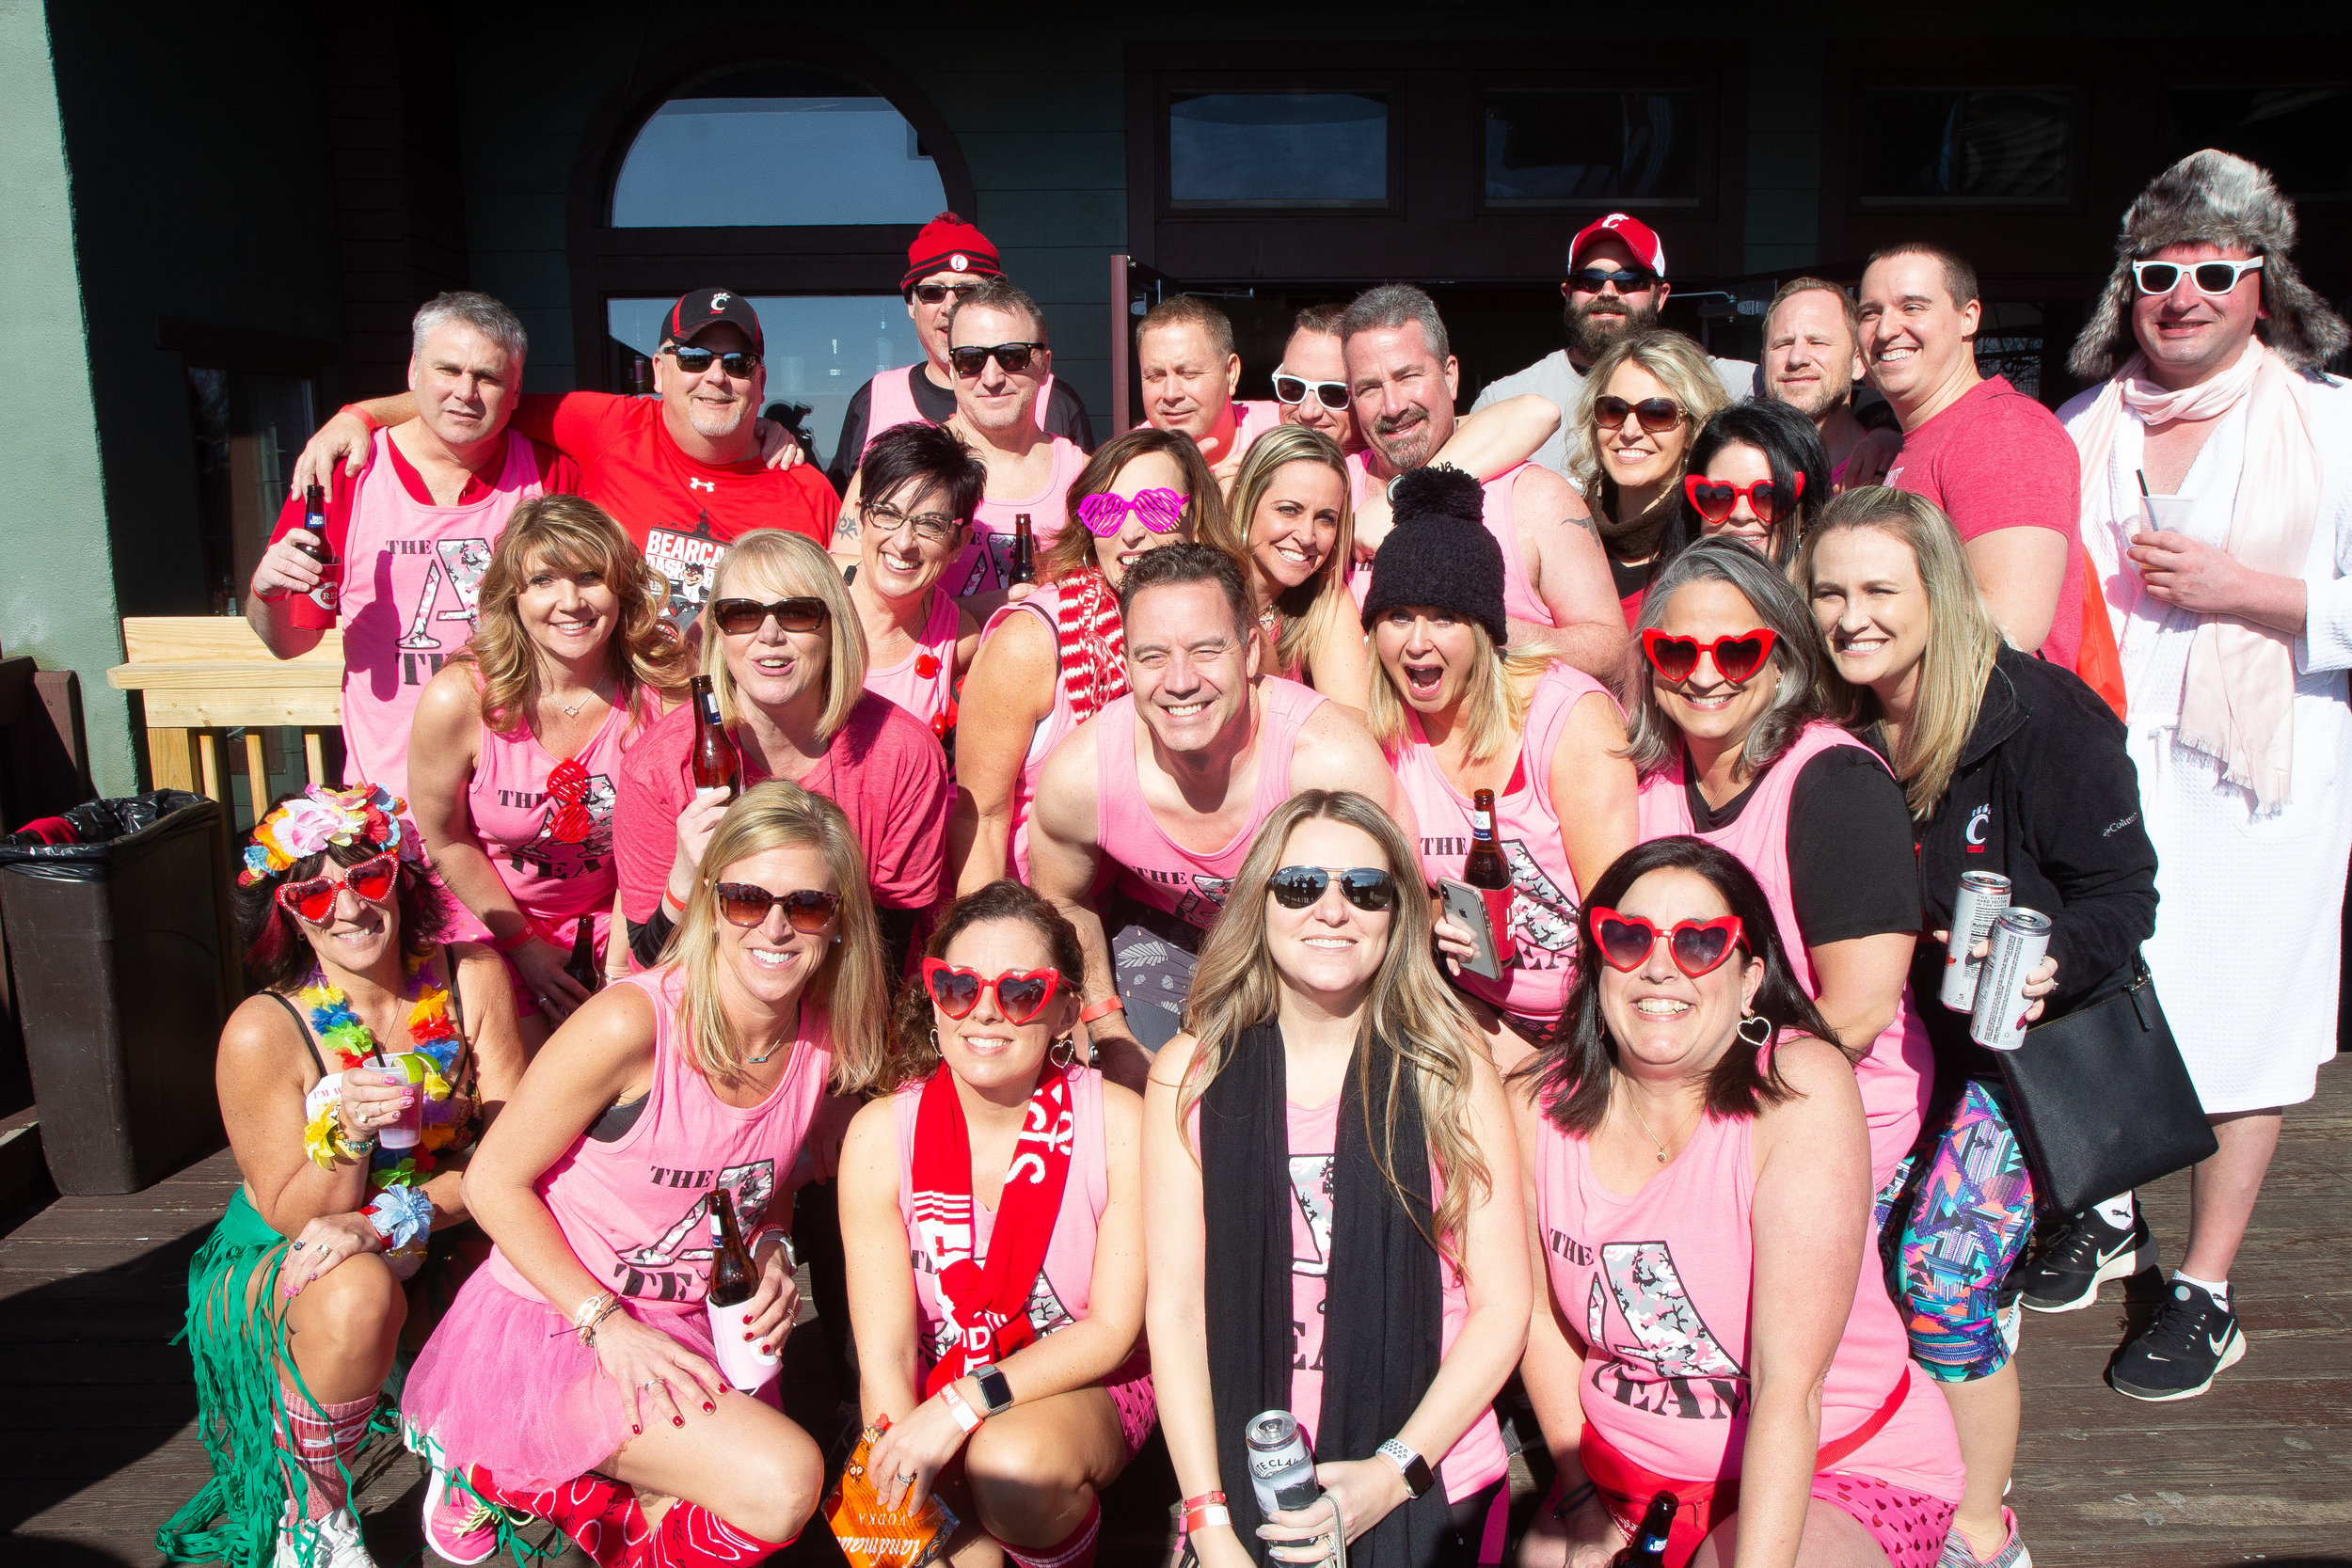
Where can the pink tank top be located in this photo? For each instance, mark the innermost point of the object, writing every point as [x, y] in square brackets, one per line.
[1154, 869]
[1064, 1288]
[1045, 604]
[890, 403]
[1899, 1074]
[924, 682]
[635, 1210]
[1657, 1284]
[1545, 901]
[553, 878]
[410, 575]
[986, 557]
[1519, 600]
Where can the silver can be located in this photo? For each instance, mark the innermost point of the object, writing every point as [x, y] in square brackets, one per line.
[1983, 894]
[2020, 938]
[1282, 1471]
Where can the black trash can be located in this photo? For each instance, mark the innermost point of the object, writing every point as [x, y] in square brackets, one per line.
[123, 951]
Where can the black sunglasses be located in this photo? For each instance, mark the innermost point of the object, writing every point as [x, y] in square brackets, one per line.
[1592, 280]
[1297, 887]
[806, 910]
[1658, 415]
[736, 617]
[1294, 388]
[933, 294]
[970, 361]
[693, 361]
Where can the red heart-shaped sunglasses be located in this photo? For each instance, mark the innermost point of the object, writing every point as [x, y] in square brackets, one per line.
[1736, 656]
[1020, 994]
[314, 900]
[1697, 946]
[1715, 498]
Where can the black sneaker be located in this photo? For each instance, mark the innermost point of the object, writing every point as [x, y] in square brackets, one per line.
[2178, 1355]
[2084, 1255]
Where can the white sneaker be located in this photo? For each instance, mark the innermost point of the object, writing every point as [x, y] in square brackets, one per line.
[334, 1541]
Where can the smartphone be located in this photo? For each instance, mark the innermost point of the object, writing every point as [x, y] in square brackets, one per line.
[1465, 907]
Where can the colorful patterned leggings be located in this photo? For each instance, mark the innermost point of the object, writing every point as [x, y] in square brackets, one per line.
[1967, 1207]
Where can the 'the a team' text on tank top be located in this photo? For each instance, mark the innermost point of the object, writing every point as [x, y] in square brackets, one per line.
[1045, 604]
[1154, 869]
[924, 682]
[547, 822]
[986, 557]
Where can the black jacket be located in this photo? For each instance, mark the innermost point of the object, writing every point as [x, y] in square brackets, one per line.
[2046, 793]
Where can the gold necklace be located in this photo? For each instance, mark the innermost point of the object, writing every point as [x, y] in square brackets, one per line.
[1632, 1102]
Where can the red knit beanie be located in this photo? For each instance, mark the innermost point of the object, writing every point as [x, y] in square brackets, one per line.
[947, 244]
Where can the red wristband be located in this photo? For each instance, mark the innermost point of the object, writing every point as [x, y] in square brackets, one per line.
[669, 903]
[359, 413]
[519, 940]
[1206, 1509]
[1103, 1008]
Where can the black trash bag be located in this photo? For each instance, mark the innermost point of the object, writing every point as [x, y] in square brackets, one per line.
[98, 824]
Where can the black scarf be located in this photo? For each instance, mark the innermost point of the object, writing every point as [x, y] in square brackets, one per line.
[1383, 1309]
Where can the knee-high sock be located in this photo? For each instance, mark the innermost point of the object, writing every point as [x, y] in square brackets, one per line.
[691, 1536]
[1075, 1550]
[601, 1516]
[320, 1441]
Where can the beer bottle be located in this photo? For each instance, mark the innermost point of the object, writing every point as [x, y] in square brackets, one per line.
[745, 1362]
[1024, 552]
[311, 541]
[1484, 867]
[1647, 1549]
[640, 377]
[582, 966]
[717, 764]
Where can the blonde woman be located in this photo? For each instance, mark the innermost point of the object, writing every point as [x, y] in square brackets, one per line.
[519, 739]
[1643, 404]
[576, 1370]
[1290, 503]
[780, 644]
[1336, 1226]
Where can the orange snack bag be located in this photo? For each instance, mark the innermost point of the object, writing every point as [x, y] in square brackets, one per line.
[872, 1536]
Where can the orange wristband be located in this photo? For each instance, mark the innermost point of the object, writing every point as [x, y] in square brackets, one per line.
[361, 414]
[1103, 1008]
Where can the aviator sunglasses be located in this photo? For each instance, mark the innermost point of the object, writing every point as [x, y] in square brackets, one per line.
[1158, 509]
[693, 361]
[1658, 415]
[739, 617]
[1020, 994]
[805, 910]
[1715, 498]
[1289, 388]
[971, 361]
[1697, 946]
[314, 900]
[2214, 278]
[1737, 658]
[1298, 887]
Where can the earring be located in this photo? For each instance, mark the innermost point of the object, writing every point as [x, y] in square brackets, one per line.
[935, 1042]
[1763, 1035]
[1063, 1051]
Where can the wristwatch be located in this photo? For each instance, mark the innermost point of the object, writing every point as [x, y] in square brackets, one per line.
[995, 1392]
[1413, 1466]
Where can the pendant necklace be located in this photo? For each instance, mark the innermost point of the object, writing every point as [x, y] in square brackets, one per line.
[1634, 1103]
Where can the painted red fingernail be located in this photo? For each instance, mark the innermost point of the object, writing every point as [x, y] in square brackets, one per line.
[677, 1420]
[747, 1335]
[709, 1408]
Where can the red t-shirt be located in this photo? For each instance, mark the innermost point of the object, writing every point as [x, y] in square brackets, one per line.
[1997, 459]
[557, 475]
[683, 513]
[885, 771]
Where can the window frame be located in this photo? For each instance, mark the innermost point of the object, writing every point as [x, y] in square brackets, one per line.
[1704, 83]
[1388, 86]
[2079, 112]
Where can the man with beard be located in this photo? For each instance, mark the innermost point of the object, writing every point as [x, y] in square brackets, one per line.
[683, 471]
[1557, 587]
[1616, 283]
[1812, 361]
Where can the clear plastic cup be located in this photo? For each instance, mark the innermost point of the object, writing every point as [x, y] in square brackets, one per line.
[2167, 512]
[404, 1130]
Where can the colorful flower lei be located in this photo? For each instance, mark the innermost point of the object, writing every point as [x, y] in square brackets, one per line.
[364, 813]
[432, 1036]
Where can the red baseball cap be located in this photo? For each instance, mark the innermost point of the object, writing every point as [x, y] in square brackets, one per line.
[947, 244]
[707, 308]
[1639, 237]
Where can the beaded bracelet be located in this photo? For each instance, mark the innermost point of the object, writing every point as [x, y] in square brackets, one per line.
[591, 1312]
[1573, 1501]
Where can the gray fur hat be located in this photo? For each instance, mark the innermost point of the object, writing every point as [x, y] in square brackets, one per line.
[2221, 198]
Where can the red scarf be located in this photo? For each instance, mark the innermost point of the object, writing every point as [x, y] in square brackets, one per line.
[1093, 643]
[988, 1302]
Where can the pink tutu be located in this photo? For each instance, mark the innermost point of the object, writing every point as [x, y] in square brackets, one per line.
[504, 1383]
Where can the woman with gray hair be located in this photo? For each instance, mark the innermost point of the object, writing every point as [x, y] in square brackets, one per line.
[1736, 728]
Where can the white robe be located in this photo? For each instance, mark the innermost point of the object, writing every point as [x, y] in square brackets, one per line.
[2248, 920]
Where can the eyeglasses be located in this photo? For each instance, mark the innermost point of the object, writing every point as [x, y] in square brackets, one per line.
[1658, 415]
[1715, 498]
[1159, 509]
[1298, 887]
[934, 293]
[314, 900]
[805, 910]
[1697, 946]
[741, 617]
[1736, 658]
[1289, 388]
[1020, 994]
[693, 361]
[1591, 280]
[932, 527]
[2213, 278]
[970, 361]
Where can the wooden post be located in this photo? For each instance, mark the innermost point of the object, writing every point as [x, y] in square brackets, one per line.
[170, 760]
[208, 756]
[313, 757]
[256, 774]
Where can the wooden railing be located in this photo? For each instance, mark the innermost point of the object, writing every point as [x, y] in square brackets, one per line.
[200, 674]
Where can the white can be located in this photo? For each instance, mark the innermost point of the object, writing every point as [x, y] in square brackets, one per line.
[2020, 938]
[1982, 895]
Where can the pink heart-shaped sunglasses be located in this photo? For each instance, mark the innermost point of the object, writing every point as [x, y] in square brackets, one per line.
[1158, 509]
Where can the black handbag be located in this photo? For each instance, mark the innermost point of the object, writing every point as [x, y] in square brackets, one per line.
[2103, 1099]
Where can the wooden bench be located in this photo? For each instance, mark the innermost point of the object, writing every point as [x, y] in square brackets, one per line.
[200, 675]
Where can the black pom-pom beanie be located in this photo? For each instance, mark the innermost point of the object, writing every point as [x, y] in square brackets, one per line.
[1439, 554]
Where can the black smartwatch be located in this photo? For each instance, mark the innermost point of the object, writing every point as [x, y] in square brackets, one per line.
[1413, 1466]
[995, 1392]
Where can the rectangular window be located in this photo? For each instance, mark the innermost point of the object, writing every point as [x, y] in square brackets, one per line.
[249, 427]
[1278, 149]
[1549, 149]
[1985, 147]
[2296, 132]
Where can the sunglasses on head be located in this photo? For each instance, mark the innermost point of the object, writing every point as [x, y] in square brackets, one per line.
[1159, 509]
[741, 617]
[1737, 657]
[968, 362]
[1592, 280]
[1298, 887]
[1658, 415]
[314, 900]
[2216, 278]
[805, 910]
[936, 293]
[1697, 946]
[1020, 994]
[693, 361]
[1715, 498]
[1291, 388]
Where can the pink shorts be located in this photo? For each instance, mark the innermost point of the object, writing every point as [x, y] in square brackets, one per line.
[1138, 1406]
[1909, 1526]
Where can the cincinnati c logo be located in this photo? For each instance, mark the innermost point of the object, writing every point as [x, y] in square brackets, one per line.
[719, 301]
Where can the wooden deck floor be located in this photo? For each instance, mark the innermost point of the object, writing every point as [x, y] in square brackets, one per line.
[97, 1441]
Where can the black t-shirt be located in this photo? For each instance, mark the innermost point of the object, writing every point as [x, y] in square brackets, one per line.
[1065, 416]
[1851, 868]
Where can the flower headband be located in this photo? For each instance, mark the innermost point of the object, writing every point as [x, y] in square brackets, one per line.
[365, 814]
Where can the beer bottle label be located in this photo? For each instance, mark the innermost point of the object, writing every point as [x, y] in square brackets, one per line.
[1483, 824]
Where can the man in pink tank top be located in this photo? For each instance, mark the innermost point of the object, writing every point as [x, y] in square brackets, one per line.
[412, 531]
[1167, 785]
[1557, 586]
[1184, 358]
